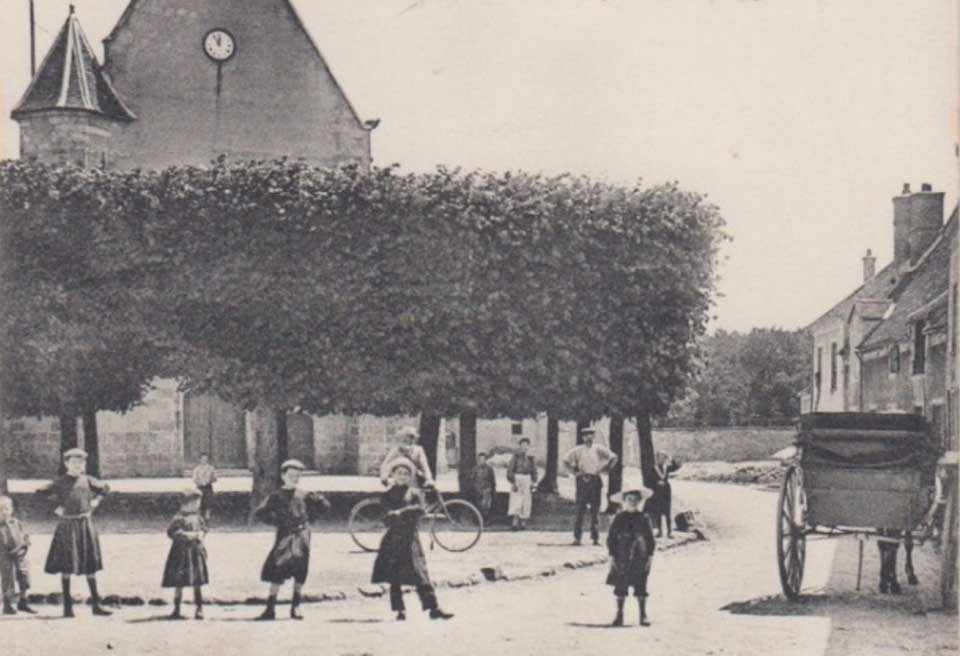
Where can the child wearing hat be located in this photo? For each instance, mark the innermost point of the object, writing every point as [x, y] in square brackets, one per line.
[187, 561]
[289, 510]
[14, 567]
[631, 545]
[75, 548]
[400, 560]
[484, 484]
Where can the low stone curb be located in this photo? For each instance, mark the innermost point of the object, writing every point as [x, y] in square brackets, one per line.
[373, 591]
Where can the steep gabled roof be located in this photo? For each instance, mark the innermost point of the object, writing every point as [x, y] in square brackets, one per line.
[70, 78]
[369, 125]
[869, 309]
[876, 289]
[921, 288]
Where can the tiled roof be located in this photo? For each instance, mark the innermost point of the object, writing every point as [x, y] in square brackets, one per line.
[870, 309]
[875, 290]
[927, 281]
[71, 78]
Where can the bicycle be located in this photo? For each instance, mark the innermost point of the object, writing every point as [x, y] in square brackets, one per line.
[456, 525]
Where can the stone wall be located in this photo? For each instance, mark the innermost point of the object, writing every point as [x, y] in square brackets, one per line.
[32, 447]
[70, 137]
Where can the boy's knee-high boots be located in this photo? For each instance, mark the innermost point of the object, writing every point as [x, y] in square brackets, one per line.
[642, 602]
[295, 606]
[270, 613]
[618, 620]
[198, 602]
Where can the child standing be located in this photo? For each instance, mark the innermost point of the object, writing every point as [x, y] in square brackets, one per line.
[631, 545]
[522, 474]
[400, 560]
[187, 561]
[14, 567]
[75, 548]
[484, 484]
[659, 505]
[289, 510]
[204, 476]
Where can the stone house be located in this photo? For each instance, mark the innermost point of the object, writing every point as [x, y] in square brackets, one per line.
[884, 347]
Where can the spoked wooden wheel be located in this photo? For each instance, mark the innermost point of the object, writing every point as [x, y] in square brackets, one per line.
[457, 525]
[791, 535]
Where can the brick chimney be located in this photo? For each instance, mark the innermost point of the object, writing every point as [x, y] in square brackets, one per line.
[869, 266]
[901, 228]
[926, 220]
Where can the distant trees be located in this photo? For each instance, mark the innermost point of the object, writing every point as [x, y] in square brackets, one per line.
[278, 285]
[746, 377]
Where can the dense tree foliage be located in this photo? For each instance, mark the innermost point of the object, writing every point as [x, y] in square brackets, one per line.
[747, 377]
[278, 285]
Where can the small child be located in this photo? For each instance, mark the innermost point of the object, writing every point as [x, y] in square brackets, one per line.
[187, 561]
[75, 548]
[631, 545]
[289, 509]
[400, 560]
[484, 484]
[204, 476]
[14, 543]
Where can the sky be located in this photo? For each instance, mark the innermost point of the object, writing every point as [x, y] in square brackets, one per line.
[800, 120]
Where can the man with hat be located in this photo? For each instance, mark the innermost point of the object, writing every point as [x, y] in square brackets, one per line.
[289, 509]
[587, 462]
[75, 547]
[631, 545]
[409, 449]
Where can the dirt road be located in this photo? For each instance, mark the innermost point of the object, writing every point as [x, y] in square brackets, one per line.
[715, 597]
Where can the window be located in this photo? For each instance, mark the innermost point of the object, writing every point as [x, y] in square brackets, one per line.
[919, 347]
[833, 367]
[817, 375]
[893, 358]
[516, 428]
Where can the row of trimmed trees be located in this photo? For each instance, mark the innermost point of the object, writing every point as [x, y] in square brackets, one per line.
[277, 285]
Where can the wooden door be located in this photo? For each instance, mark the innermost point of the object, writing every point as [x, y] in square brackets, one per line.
[215, 427]
[300, 438]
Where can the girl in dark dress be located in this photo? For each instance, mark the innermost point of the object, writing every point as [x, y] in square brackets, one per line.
[289, 509]
[658, 507]
[631, 545]
[187, 561]
[400, 560]
[75, 548]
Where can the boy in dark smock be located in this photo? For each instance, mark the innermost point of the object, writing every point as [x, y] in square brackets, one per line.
[660, 504]
[400, 560]
[289, 509]
[75, 548]
[186, 565]
[631, 545]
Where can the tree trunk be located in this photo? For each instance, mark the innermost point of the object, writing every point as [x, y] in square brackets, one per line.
[647, 452]
[549, 482]
[430, 439]
[468, 451]
[283, 438]
[582, 425]
[4, 488]
[91, 443]
[68, 438]
[616, 445]
[266, 454]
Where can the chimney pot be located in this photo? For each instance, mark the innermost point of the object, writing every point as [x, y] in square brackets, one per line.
[906, 189]
[926, 186]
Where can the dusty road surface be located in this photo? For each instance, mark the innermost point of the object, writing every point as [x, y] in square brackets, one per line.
[715, 597]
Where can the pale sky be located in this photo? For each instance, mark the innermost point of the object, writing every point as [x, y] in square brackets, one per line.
[800, 119]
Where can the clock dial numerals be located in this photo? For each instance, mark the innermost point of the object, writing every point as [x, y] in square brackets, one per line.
[219, 45]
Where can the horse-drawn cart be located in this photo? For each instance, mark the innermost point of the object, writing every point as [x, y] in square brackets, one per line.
[853, 473]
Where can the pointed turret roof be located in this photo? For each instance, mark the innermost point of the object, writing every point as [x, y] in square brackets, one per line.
[70, 77]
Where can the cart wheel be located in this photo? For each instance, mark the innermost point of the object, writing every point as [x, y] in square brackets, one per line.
[951, 562]
[791, 535]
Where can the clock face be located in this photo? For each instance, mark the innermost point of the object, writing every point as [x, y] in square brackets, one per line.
[219, 45]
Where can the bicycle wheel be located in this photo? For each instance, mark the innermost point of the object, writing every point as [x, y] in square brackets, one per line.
[366, 524]
[457, 528]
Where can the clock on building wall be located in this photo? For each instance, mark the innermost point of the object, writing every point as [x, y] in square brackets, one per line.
[219, 45]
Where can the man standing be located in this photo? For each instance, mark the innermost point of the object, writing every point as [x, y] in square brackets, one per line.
[522, 474]
[587, 462]
[409, 449]
[204, 476]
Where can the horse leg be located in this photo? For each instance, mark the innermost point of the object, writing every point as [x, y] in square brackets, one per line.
[883, 548]
[892, 549]
[908, 547]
